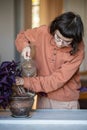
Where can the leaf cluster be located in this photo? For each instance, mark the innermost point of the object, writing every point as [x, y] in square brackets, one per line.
[8, 72]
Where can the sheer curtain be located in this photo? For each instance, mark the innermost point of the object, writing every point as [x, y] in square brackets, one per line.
[27, 14]
[49, 9]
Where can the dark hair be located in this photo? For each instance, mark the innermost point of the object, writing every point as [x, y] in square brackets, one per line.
[70, 25]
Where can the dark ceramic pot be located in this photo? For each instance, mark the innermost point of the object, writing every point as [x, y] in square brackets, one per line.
[21, 106]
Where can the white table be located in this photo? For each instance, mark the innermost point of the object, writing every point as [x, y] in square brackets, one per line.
[46, 119]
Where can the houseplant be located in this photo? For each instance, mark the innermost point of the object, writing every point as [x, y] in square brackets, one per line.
[10, 94]
[8, 72]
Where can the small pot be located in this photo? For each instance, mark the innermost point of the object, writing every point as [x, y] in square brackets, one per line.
[21, 106]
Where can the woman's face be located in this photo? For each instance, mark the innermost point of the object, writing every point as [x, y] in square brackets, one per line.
[60, 40]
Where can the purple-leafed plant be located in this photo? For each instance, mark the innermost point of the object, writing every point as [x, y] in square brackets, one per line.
[8, 71]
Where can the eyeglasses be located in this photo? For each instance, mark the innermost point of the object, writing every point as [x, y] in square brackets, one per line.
[63, 42]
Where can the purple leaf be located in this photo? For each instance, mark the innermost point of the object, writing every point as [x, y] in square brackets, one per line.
[8, 71]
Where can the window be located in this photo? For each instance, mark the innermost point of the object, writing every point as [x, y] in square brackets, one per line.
[35, 13]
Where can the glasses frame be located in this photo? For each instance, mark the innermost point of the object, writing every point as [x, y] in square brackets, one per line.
[64, 43]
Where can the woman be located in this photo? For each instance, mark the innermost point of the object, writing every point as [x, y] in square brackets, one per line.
[59, 54]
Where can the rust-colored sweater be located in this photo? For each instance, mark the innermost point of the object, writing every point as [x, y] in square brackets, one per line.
[58, 71]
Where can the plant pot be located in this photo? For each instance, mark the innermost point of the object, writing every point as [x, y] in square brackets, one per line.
[21, 106]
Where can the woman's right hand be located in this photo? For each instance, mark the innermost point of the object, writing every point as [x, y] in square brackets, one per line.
[26, 52]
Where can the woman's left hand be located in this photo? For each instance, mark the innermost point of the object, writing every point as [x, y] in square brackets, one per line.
[19, 81]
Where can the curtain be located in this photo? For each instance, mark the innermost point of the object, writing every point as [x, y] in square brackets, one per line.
[27, 14]
[49, 9]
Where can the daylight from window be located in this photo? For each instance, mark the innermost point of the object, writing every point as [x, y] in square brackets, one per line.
[35, 13]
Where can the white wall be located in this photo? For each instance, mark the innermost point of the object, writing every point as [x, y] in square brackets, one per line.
[80, 7]
[6, 29]
[11, 22]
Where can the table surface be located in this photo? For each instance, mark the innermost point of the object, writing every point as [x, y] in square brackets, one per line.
[69, 119]
[48, 114]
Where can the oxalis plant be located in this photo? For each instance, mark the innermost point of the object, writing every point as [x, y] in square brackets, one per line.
[8, 72]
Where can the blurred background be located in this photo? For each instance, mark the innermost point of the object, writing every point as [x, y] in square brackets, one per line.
[18, 15]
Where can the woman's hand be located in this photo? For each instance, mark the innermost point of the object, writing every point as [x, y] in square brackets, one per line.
[19, 81]
[26, 52]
